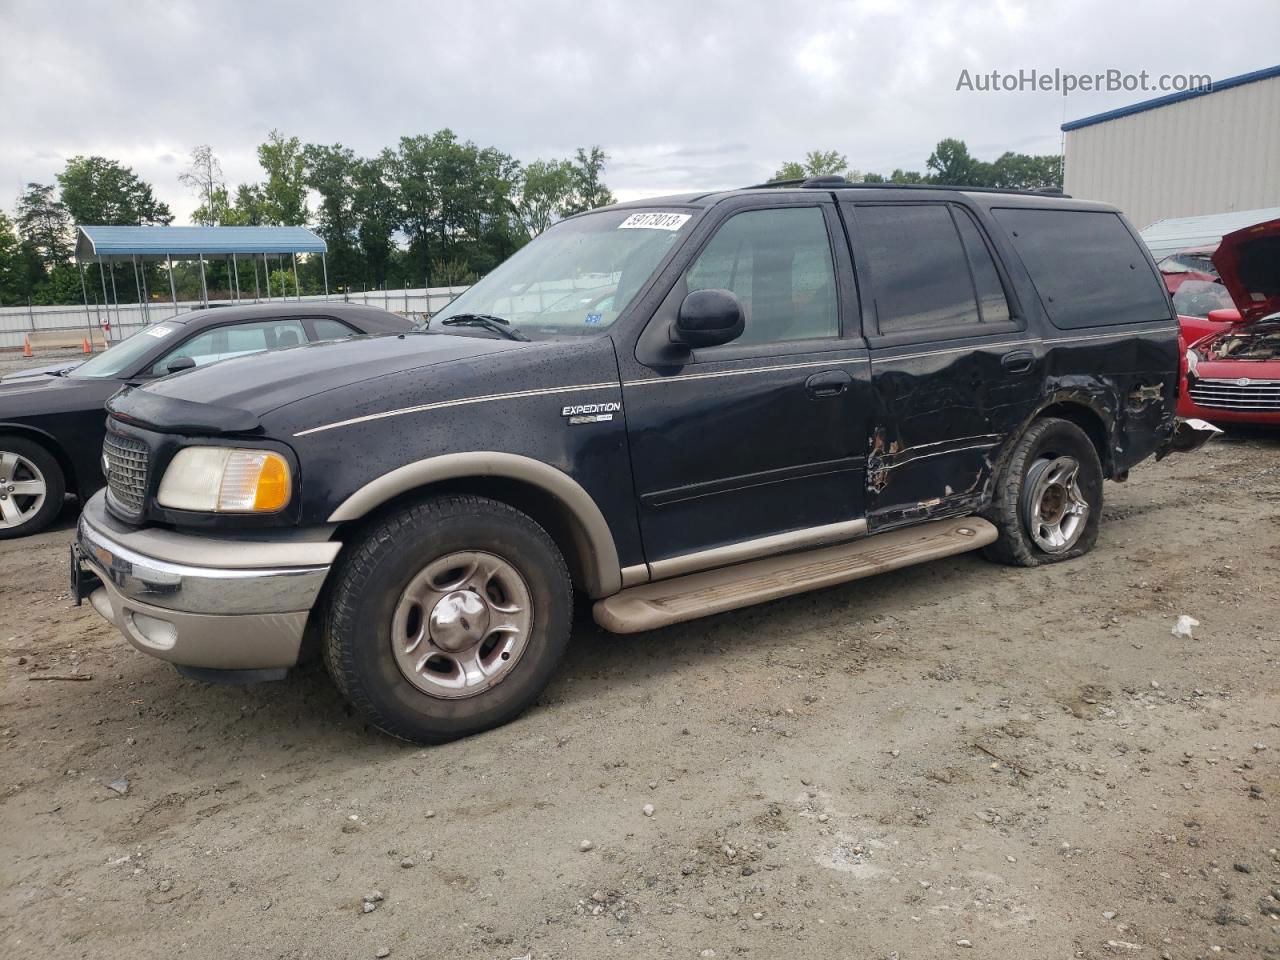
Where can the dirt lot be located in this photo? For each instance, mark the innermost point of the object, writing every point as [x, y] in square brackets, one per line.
[960, 760]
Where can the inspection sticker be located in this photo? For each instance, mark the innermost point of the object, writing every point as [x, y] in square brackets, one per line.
[655, 221]
[159, 330]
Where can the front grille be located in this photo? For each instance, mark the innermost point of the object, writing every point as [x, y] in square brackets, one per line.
[1246, 395]
[126, 473]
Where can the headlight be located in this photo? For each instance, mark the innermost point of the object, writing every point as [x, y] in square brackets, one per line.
[1193, 360]
[226, 480]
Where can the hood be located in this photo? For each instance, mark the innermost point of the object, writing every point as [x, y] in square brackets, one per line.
[1248, 261]
[44, 383]
[234, 393]
[27, 374]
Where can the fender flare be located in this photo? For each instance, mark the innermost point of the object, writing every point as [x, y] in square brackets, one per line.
[592, 536]
[55, 448]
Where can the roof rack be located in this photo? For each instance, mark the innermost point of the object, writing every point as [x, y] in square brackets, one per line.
[837, 182]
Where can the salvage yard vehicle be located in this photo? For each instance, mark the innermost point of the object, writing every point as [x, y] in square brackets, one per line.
[52, 421]
[1232, 375]
[676, 408]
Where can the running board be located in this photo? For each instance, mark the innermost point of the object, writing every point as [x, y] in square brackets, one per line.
[653, 605]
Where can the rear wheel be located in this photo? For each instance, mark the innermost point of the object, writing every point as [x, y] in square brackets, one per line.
[447, 617]
[32, 487]
[1048, 500]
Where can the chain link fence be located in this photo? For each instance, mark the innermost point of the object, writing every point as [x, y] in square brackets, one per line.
[16, 323]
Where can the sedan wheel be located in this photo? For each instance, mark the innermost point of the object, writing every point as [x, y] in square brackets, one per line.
[23, 490]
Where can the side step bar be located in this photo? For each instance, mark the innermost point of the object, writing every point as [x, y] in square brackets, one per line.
[652, 605]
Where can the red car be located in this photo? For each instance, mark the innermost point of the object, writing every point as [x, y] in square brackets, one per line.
[1231, 370]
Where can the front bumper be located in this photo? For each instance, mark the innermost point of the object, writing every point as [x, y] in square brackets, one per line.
[198, 601]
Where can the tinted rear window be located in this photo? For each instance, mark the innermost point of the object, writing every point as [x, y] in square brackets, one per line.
[919, 273]
[1087, 267]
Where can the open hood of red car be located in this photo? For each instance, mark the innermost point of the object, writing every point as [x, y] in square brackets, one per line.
[1248, 261]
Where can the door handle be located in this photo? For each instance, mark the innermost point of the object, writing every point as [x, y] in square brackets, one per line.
[829, 384]
[1018, 361]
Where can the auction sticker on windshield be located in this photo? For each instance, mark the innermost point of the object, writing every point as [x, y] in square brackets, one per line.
[159, 331]
[655, 221]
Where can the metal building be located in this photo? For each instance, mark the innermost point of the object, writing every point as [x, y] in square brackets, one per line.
[1182, 155]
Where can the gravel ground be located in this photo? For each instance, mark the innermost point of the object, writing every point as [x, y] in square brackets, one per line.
[957, 760]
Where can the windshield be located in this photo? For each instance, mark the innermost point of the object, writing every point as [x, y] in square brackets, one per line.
[124, 354]
[1188, 263]
[575, 279]
[1195, 298]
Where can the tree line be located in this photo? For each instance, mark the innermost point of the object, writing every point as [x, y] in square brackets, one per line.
[434, 210]
[950, 164]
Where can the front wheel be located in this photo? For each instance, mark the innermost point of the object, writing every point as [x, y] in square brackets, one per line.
[448, 617]
[32, 487]
[1048, 499]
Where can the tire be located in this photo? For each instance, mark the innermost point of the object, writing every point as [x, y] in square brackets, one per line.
[431, 598]
[32, 487]
[1035, 487]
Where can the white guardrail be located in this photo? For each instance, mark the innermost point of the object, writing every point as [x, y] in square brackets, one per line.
[128, 318]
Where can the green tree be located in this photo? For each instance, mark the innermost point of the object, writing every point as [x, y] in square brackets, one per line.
[284, 193]
[547, 190]
[44, 225]
[12, 275]
[816, 163]
[60, 285]
[589, 190]
[249, 208]
[907, 176]
[457, 200]
[331, 172]
[1021, 171]
[96, 190]
[952, 164]
[376, 207]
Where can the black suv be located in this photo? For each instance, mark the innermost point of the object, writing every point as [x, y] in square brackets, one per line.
[676, 407]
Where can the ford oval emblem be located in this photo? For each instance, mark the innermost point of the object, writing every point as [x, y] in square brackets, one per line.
[1243, 382]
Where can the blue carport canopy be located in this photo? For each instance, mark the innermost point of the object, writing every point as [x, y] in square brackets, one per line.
[157, 243]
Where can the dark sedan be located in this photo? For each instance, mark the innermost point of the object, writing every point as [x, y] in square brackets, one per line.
[52, 421]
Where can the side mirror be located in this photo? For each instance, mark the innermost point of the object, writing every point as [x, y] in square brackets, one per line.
[709, 318]
[178, 364]
[1225, 315]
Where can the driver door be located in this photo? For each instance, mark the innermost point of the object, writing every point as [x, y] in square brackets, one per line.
[762, 437]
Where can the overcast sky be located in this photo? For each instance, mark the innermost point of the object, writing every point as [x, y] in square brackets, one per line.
[683, 96]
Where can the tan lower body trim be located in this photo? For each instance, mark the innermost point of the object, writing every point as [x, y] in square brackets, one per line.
[761, 547]
[639, 573]
[653, 605]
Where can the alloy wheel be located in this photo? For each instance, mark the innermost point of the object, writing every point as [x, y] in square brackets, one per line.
[461, 624]
[1055, 509]
[22, 489]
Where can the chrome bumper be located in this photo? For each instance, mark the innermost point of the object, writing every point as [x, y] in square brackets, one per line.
[199, 601]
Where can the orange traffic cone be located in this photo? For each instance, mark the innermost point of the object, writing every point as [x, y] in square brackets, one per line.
[26, 346]
[86, 348]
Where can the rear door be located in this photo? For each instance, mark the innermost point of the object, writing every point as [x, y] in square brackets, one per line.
[953, 369]
[762, 437]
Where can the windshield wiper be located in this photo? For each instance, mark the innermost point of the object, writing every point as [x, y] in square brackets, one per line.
[486, 320]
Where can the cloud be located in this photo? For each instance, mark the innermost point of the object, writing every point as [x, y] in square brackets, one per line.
[684, 96]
